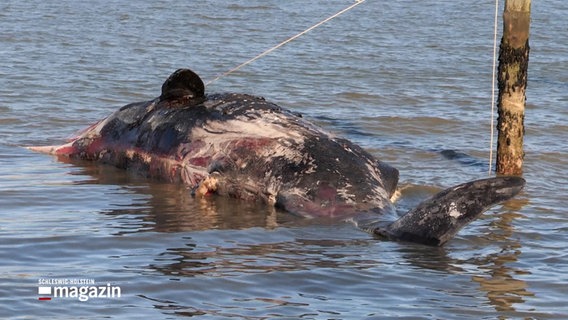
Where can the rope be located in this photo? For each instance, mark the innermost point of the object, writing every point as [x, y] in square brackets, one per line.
[357, 2]
[493, 86]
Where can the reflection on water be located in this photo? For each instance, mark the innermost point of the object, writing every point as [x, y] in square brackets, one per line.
[415, 97]
[257, 260]
[222, 261]
[171, 208]
[166, 207]
[502, 288]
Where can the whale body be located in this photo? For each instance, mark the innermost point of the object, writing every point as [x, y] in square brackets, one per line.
[245, 147]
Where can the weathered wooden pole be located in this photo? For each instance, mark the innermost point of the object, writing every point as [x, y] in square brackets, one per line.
[512, 83]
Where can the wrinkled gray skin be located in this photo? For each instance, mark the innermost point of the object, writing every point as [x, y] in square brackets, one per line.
[245, 147]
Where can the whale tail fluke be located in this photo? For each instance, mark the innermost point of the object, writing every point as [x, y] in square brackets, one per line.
[438, 219]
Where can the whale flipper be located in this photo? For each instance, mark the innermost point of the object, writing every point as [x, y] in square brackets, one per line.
[438, 219]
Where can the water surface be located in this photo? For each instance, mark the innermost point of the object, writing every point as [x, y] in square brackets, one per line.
[404, 79]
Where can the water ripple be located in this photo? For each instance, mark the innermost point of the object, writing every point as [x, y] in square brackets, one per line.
[395, 77]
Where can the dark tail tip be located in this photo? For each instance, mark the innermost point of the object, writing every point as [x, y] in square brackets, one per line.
[438, 219]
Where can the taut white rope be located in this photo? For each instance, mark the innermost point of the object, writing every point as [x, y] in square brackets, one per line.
[493, 86]
[357, 2]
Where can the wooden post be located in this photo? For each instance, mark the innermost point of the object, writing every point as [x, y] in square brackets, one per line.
[512, 82]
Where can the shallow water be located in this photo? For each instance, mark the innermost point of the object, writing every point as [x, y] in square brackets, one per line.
[404, 79]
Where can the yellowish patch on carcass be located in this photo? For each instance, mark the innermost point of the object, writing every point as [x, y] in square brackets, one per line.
[206, 186]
